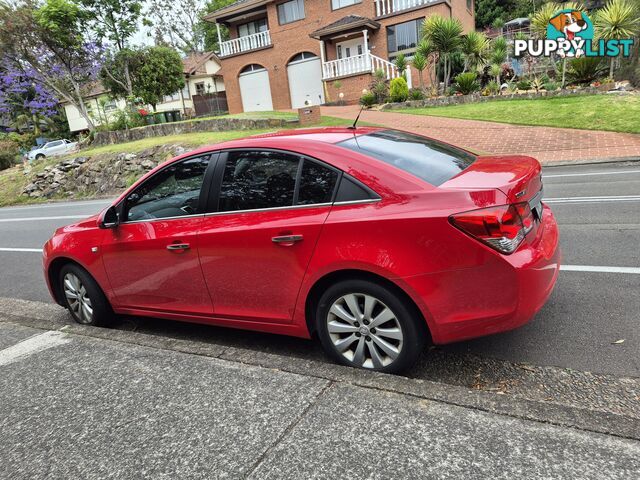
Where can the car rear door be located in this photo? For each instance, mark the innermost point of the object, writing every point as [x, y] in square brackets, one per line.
[151, 257]
[268, 208]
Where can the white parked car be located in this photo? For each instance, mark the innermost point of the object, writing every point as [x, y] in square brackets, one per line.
[52, 149]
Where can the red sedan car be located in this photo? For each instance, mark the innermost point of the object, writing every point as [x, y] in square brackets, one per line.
[375, 240]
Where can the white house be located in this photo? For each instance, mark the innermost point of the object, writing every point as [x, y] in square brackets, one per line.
[203, 94]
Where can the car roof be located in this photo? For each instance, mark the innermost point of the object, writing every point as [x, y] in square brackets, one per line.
[287, 138]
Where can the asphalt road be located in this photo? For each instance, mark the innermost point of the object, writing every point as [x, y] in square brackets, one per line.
[598, 208]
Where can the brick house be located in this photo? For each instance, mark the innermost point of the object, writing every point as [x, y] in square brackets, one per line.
[287, 53]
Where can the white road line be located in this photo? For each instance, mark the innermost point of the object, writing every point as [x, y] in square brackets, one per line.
[588, 174]
[31, 345]
[599, 269]
[606, 199]
[35, 250]
[34, 219]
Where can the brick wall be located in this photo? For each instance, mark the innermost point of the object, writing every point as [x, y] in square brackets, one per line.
[290, 39]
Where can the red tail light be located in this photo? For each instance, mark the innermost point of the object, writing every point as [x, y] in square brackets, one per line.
[502, 227]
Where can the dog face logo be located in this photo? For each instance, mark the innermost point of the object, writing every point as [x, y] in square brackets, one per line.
[569, 26]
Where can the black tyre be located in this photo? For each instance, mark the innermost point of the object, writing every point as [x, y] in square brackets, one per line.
[39, 156]
[84, 298]
[365, 325]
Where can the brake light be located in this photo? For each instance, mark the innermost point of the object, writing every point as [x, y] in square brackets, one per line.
[502, 227]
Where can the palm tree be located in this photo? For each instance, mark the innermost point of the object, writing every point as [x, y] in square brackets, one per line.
[495, 72]
[419, 62]
[618, 19]
[426, 49]
[446, 36]
[475, 48]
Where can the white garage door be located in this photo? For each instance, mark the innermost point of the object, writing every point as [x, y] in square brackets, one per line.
[305, 80]
[255, 89]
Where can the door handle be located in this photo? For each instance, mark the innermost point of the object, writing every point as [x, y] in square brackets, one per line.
[287, 239]
[178, 246]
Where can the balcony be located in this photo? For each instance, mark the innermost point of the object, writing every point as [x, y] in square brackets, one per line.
[389, 7]
[245, 44]
[359, 64]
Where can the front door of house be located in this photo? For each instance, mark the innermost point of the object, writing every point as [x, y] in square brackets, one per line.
[350, 48]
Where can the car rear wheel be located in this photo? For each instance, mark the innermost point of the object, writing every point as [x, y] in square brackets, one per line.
[365, 325]
[83, 297]
[39, 156]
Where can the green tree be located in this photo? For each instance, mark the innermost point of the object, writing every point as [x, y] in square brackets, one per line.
[618, 19]
[401, 63]
[176, 23]
[487, 11]
[115, 21]
[419, 62]
[159, 72]
[209, 31]
[445, 34]
[475, 48]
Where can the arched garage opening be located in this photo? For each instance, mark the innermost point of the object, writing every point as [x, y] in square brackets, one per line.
[305, 80]
[255, 89]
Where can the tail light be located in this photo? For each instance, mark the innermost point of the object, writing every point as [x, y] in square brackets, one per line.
[502, 227]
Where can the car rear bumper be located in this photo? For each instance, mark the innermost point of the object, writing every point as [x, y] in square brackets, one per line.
[496, 296]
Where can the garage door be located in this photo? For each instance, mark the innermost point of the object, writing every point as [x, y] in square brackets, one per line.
[305, 80]
[255, 89]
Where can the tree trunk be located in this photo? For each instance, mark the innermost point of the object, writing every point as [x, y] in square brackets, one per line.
[611, 67]
[82, 108]
[564, 71]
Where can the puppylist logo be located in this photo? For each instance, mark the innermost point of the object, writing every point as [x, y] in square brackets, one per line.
[570, 34]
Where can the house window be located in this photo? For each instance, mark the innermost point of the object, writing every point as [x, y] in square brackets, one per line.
[250, 28]
[200, 88]
[403, 36]
[336, 4]
[110, 105]
[290, 11]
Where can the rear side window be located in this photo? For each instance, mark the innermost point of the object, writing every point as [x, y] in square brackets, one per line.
[317, 184]
[427, 159]
[258, 179]
[352, 191]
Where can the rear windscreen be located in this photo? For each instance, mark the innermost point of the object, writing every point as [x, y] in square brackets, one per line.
[426, 159]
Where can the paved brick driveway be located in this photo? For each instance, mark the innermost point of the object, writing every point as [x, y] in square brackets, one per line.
[547, 144]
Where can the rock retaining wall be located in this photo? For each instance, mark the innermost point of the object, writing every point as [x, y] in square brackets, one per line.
[176, 128]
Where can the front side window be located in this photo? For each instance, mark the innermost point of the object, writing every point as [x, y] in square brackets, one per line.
[427, 159]
[291, 11]
[336, 4]
[317, 184]
[403, 36]
[172, 192]
[258, 179]
[250, 28]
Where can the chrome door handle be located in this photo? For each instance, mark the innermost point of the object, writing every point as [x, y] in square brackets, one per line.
[178, 246]
[291, 239]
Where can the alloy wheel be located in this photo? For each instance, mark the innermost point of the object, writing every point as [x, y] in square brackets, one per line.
[364, 330]
[78, 299]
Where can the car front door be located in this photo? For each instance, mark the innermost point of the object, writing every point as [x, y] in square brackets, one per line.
[269, 208]
[55, 148]
[151, 257]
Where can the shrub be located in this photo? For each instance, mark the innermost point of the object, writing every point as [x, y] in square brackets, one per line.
[524, 85]
[416, 94]
[467, 83]
[9, 151]
[379, 86]
[585, 69]
[537, 84]
[367, 99]
[493, 88]
[550, 86]
[398, 90]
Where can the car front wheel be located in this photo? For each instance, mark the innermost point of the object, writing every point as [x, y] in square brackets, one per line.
[83, 297]
[365, 325]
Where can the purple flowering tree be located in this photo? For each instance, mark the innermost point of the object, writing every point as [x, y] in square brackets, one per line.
[47, 43]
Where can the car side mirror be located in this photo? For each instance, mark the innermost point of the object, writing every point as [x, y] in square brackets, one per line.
[110, 218]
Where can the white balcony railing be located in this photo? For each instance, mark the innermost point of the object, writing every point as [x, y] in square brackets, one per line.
[365, 63]
[387, 7]
[245, 44]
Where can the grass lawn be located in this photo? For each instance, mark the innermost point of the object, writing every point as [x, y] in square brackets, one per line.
[13, 180]
[590, 112]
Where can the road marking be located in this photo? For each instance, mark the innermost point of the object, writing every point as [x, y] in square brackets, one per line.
[606, 199]
[599, 269]
[622, 172]
[59, 205]
[35, 250]
[31, 345]
[34, 219]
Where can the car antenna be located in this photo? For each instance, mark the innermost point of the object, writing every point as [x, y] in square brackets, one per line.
[353, 127]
